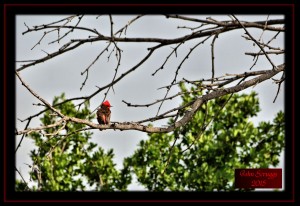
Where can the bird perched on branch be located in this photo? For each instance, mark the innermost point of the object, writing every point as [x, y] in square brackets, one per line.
[103, 113]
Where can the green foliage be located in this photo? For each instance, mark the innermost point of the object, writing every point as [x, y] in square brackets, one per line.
[229, 141]
[66, 162]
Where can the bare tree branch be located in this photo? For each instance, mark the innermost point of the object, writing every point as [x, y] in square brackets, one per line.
[267, 52]
[162, 42]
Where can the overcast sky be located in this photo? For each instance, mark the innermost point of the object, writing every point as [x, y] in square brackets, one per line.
[62, 74]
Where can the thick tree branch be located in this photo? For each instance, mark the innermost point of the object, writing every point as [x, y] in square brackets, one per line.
[186, 118]
[257, 24]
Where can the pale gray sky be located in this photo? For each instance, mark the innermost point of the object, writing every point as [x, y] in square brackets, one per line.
[62, 74]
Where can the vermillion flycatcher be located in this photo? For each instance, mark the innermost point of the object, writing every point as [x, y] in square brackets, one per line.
[103, 113]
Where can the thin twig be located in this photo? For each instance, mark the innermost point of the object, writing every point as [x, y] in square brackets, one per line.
[126, 26]
[93, 62]
[264, 29]
[120, 77]
[169, 156]
[213, 57]
[177, 71]
[256, 42]
[71, 30]
[279, 85]
[19, 145]
[22, 178]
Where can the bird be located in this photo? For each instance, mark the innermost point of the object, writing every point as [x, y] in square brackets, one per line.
[103, 113]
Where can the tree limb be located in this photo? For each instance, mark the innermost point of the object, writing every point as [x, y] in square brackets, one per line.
[185, 119]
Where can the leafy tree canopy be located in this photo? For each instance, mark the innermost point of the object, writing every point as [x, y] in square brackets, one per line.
[203, 155]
